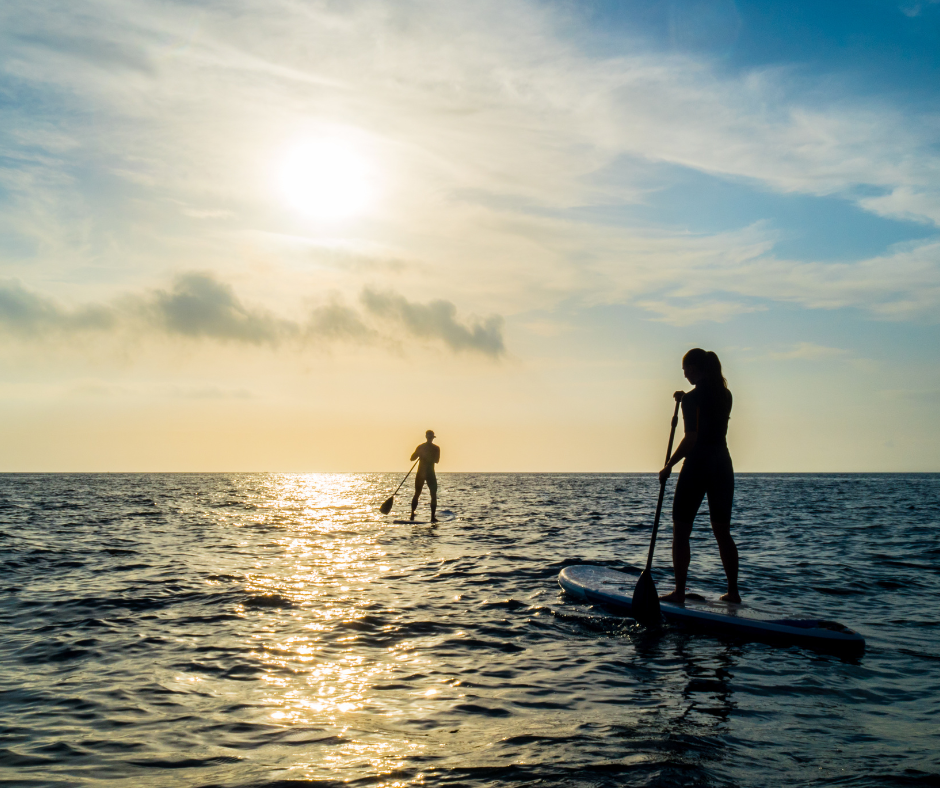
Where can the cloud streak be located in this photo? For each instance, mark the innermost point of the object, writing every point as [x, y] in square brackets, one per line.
[809, 351]
[200, 307]
[437, 320]
[24, 313]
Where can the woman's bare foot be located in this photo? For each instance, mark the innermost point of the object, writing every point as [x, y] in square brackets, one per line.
[732, 596]
[676, 597]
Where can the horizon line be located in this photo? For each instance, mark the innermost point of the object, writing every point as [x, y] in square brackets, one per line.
[455, 473]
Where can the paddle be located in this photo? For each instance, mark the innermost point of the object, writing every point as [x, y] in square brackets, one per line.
[645, 603]
[386, 507]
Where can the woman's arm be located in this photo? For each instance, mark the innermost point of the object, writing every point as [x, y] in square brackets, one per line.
[682, 450]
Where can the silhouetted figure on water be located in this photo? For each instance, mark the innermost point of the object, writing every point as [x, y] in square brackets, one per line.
[429, 455]
[707, 469]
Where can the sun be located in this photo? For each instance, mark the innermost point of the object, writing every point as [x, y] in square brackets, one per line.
[326, 180]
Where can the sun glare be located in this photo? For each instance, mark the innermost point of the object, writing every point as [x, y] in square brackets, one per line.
[327, 180]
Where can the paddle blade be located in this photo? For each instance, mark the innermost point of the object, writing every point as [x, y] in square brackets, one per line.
[645, 603]
[386, 507]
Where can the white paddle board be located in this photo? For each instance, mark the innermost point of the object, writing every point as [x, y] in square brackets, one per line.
[615, 590]
[443, 517]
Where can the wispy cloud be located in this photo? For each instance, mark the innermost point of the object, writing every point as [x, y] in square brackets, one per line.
[336, 321]
[438, 320]
[25, 313]
[809, 351]
[99, 51]
[816, 353]
[515, 120]
[200, 307]
[686, 313]
[902, 285]
[913, 9]
[508, 90]
[712, 278]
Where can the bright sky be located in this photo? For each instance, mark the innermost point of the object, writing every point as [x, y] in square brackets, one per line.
[284, 235]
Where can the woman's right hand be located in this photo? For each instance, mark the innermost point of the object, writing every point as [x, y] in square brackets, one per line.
[664, 474]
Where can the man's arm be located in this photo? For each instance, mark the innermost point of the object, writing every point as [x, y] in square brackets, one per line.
[416, 455]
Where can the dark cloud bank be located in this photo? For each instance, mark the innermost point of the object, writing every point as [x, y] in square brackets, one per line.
[201, 307]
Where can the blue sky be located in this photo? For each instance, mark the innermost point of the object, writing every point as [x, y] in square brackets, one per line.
[878, 47]
[556, 200]
[883, 52]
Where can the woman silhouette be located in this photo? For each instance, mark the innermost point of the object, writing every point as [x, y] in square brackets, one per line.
[707, 469]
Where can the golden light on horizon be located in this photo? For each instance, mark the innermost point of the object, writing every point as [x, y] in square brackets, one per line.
[327, 179]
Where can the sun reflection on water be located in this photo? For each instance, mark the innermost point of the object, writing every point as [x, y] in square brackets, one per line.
[327, 554]
[344, 642]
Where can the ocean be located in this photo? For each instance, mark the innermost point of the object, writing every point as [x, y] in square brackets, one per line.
[277, 630]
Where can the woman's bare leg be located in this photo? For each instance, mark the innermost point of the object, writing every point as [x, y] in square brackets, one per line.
[681, 554]
[729, 559]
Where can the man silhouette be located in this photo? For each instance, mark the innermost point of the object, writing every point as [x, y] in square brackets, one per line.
[429, 455]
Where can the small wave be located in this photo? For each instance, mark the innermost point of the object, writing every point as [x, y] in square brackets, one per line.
[262, 601]
[486, 711]
[184, 763]
[838, 591]
[479, 644]
[14, 760]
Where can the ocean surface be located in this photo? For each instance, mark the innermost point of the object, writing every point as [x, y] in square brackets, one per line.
[277, 630]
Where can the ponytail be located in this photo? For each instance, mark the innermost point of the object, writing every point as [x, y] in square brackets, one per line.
[713, 376]
[707, 361]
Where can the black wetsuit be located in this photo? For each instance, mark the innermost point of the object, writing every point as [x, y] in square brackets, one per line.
[707, 469]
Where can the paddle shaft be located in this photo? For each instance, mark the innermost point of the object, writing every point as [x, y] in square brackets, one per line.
[662, 487]
[417, 461]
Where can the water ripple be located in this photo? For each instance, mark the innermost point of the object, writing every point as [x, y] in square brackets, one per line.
[276, 630]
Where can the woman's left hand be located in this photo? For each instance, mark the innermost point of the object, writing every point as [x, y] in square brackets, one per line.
[664, 474]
